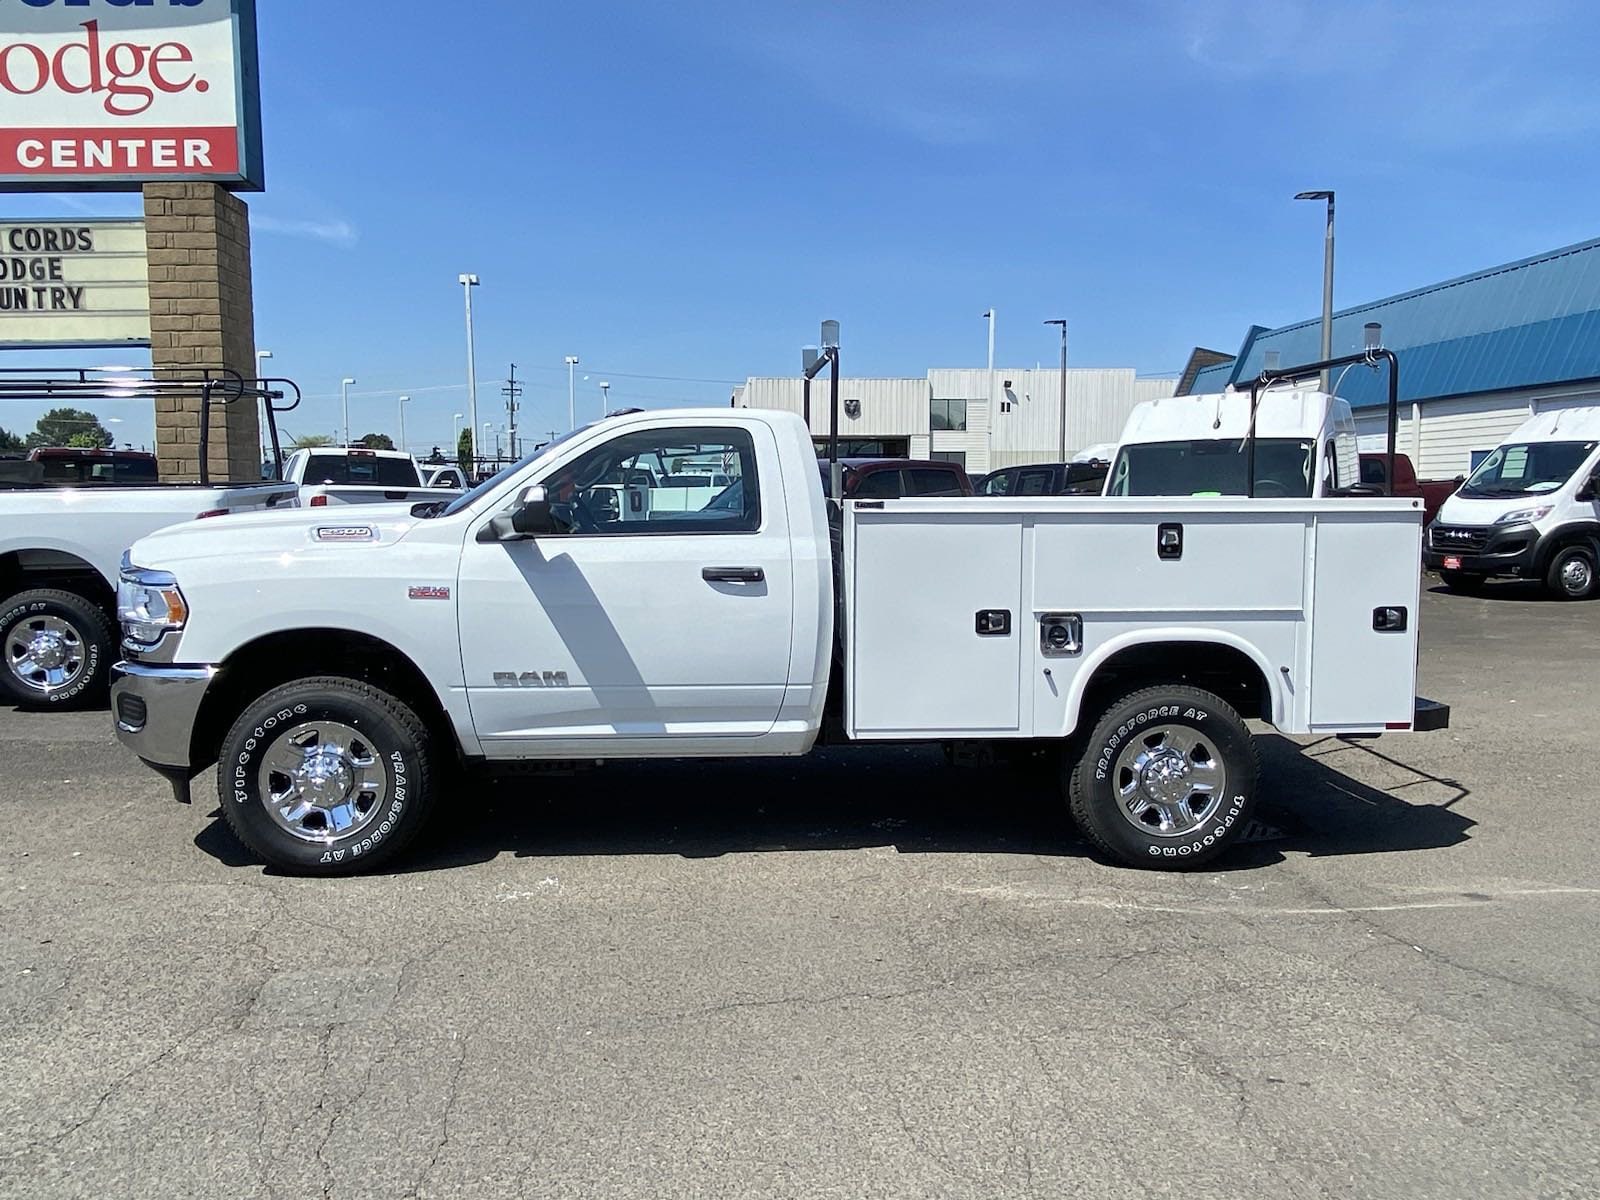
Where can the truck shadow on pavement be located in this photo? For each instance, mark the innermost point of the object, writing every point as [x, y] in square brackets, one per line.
[905, 798]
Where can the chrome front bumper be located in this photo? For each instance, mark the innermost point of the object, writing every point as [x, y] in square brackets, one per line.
[155, 709]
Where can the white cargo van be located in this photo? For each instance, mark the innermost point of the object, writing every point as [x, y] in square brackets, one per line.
[1195, 446]
[1531, 510]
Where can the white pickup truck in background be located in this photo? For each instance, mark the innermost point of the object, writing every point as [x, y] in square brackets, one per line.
[60, 551]
[328, 475]
[337, 668]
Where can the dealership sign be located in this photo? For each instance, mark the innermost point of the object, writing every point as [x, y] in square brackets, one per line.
[73, 283]
[114, 93]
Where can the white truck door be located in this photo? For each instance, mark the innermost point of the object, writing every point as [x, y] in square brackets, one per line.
[678, 625]
[1364, 617]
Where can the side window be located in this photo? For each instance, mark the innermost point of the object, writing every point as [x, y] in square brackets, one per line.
[928, 481]
[1033, 483]
[998, 484]
[877, 485]
[1372, 470]
[661, 481]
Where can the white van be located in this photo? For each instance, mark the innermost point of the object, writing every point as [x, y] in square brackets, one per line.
[1195, 446]
[1530, 510]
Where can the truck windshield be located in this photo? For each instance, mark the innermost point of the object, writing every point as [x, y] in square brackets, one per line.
[1213, 467]
[467, 498]
[1524, 468]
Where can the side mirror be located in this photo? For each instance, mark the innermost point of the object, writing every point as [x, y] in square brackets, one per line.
[529, 518]
[1590, 490]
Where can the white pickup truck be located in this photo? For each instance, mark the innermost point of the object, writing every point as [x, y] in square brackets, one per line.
[60, 551]
[356, 475]
[335, 667]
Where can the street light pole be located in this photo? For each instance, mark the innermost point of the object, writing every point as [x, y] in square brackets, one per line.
[830, 346]
[605, 397]
[1061, 321]
[404, 400]
[468, 282]
[994, 409]
[1327, 280]
[344, 404]
[572, 392]
[455, 428]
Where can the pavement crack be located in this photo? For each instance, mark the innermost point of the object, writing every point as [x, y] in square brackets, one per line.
[451, 1098]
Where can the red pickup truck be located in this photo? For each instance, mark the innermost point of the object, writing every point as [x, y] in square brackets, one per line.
[1434, 492]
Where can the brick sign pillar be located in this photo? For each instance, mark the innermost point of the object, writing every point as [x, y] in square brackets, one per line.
[201, 315]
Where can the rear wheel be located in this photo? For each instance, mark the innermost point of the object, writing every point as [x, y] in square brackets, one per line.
[1572, 574]
[55, 649]
[1167, 778]
[1464, 582]
[326, 776]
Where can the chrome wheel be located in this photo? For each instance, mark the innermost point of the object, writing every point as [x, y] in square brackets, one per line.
[1169, 780]
[1577, 575]
[323, 780]
[45, 654]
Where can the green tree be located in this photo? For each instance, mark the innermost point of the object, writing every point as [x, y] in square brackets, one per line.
[59, 426]
[10, 442]
[464, 451]
[310, 441]
[376, 441]
[84, 441]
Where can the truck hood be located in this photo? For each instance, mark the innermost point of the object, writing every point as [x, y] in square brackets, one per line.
[372, 527]
[1462, 510]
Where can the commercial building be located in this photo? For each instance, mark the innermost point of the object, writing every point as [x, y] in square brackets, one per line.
[971, 417]
[1478, 356]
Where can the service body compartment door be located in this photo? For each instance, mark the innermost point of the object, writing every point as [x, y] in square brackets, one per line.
[918, 664]
[1368, 574]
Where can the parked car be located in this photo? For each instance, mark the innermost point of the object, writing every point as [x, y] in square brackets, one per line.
[1045, 479]
[337, 677]
[1434, 492]
[126, 468]
[1530, 510]
[355, 475]
[892, 478]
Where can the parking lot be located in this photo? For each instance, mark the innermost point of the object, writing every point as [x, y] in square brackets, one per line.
[865, 974]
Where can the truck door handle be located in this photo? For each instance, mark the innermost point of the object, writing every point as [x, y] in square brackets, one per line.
[733, 574]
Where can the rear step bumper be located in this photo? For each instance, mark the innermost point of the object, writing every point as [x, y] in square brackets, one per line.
[1430, 715]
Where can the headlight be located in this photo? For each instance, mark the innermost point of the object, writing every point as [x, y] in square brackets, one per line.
[149, 604]
[1519, 515]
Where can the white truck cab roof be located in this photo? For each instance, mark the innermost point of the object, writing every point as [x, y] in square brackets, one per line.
[1560, 425]
[1280, 413]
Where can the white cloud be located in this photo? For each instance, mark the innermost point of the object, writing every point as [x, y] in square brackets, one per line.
[336, 232]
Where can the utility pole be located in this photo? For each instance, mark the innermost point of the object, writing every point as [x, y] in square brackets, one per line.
[511, 391]
[1062, 322]
[572, 392]
[1327, 280]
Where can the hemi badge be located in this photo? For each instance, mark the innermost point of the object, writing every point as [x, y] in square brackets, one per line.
[429, 592]
[346, 533]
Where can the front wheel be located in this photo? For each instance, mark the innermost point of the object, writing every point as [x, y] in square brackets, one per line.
[325, 776]
[1167, 778]
[1572, 574]
[56, 649]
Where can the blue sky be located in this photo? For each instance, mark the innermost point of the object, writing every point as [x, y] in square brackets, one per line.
[678, 193]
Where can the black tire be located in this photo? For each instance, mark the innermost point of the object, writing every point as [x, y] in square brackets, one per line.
[1573, 574]
[92, 637]
[1141, 718]
[381, 728]
[1464, 582]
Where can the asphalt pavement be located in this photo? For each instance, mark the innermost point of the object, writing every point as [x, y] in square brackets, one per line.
[865, 974]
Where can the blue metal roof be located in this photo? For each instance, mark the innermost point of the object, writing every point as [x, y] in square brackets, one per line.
[1526, 324]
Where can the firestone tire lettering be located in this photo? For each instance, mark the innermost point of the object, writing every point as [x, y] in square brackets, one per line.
[395, 732]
